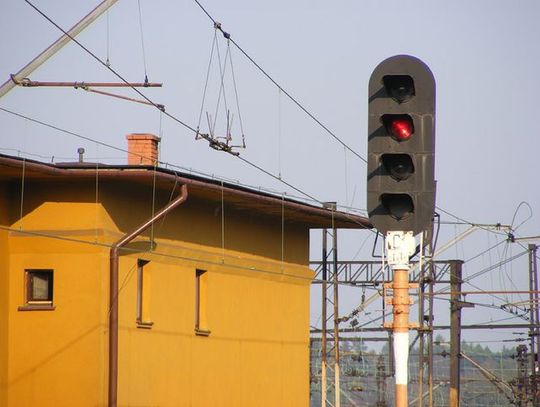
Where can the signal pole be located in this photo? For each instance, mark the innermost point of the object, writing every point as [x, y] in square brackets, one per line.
[401, 180]
[400, 246]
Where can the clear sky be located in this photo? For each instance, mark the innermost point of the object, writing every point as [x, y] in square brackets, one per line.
[484, 56]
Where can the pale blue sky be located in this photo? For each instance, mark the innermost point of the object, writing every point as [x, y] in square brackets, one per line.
[484, 56]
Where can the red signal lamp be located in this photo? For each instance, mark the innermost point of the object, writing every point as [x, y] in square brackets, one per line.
[400, 127]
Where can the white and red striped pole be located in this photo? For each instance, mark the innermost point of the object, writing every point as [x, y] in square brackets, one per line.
[399, 246]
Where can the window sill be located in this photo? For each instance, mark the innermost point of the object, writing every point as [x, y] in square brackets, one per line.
[145, 324]
[36, 307]
[202, 332]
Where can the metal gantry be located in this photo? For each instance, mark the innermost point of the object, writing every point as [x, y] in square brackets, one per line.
[330, 316]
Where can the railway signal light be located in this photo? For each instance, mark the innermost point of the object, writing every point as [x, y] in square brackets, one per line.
[401, 145]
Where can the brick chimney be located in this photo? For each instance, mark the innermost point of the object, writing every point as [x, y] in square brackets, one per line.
[142, 148]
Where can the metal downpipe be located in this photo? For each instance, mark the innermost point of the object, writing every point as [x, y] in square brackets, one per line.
[113, 292]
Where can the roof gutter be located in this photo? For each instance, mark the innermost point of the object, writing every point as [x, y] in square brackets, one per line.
[113, 292]
[328, 219]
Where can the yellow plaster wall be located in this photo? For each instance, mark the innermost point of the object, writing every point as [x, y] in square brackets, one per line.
[200, 222]
[256, 354]
[258, 306]
[56, 357]
[4, 293]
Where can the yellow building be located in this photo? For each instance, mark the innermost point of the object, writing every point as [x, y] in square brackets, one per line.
[212, 297]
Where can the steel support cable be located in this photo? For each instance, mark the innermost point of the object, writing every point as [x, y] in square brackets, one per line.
[142, 42]
[126, 151]
[136, 251]
[531, 213]
[485, 251]
[214, 41]
[487, 269]
[359, 328]
[492, 305]
[269, 77]
[476, 304]
[174, 117]
[297, 103]
[470, 223]
[107, 61]
[446, 288]
[157, 106]
[221, 88]
[170, 256]
[237, 99]
[166, 163]
[504, 300]
[510, 279]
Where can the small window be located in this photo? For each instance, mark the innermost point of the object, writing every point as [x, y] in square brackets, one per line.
[39, 285]
[143, 289]
[201, 287]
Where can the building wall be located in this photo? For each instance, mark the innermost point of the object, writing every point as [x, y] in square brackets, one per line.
[4, 293]
[256, 303]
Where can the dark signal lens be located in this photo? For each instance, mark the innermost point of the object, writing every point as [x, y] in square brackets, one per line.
[399, 206]
[399, 166]
[399, 87]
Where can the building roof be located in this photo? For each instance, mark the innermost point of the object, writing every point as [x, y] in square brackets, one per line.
[239, 197]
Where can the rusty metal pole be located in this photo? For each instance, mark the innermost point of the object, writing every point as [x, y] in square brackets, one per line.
[421, 339]
[401, 303]
[324, 316]
[430, 333]
[337, 388]
[399, 246]
[534, 320]
[455, 332]
[427, 250]
[381, 382]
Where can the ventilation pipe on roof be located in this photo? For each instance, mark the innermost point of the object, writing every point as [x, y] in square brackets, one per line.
[113, 292]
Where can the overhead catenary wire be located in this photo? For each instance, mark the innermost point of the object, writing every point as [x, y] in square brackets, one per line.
[123, 150]
[187, 126]
[228, 36]
[279, 177]
[164, 163]
[113, 71]
[173, 117]
[142, 42]
[268, 76]
[222, 70]
[237, 100]
[214, 42]
[313, 199]
[108, 45]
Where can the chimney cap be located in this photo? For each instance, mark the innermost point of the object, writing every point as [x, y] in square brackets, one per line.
[143, 136]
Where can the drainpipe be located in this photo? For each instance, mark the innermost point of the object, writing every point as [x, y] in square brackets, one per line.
[113, 292]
